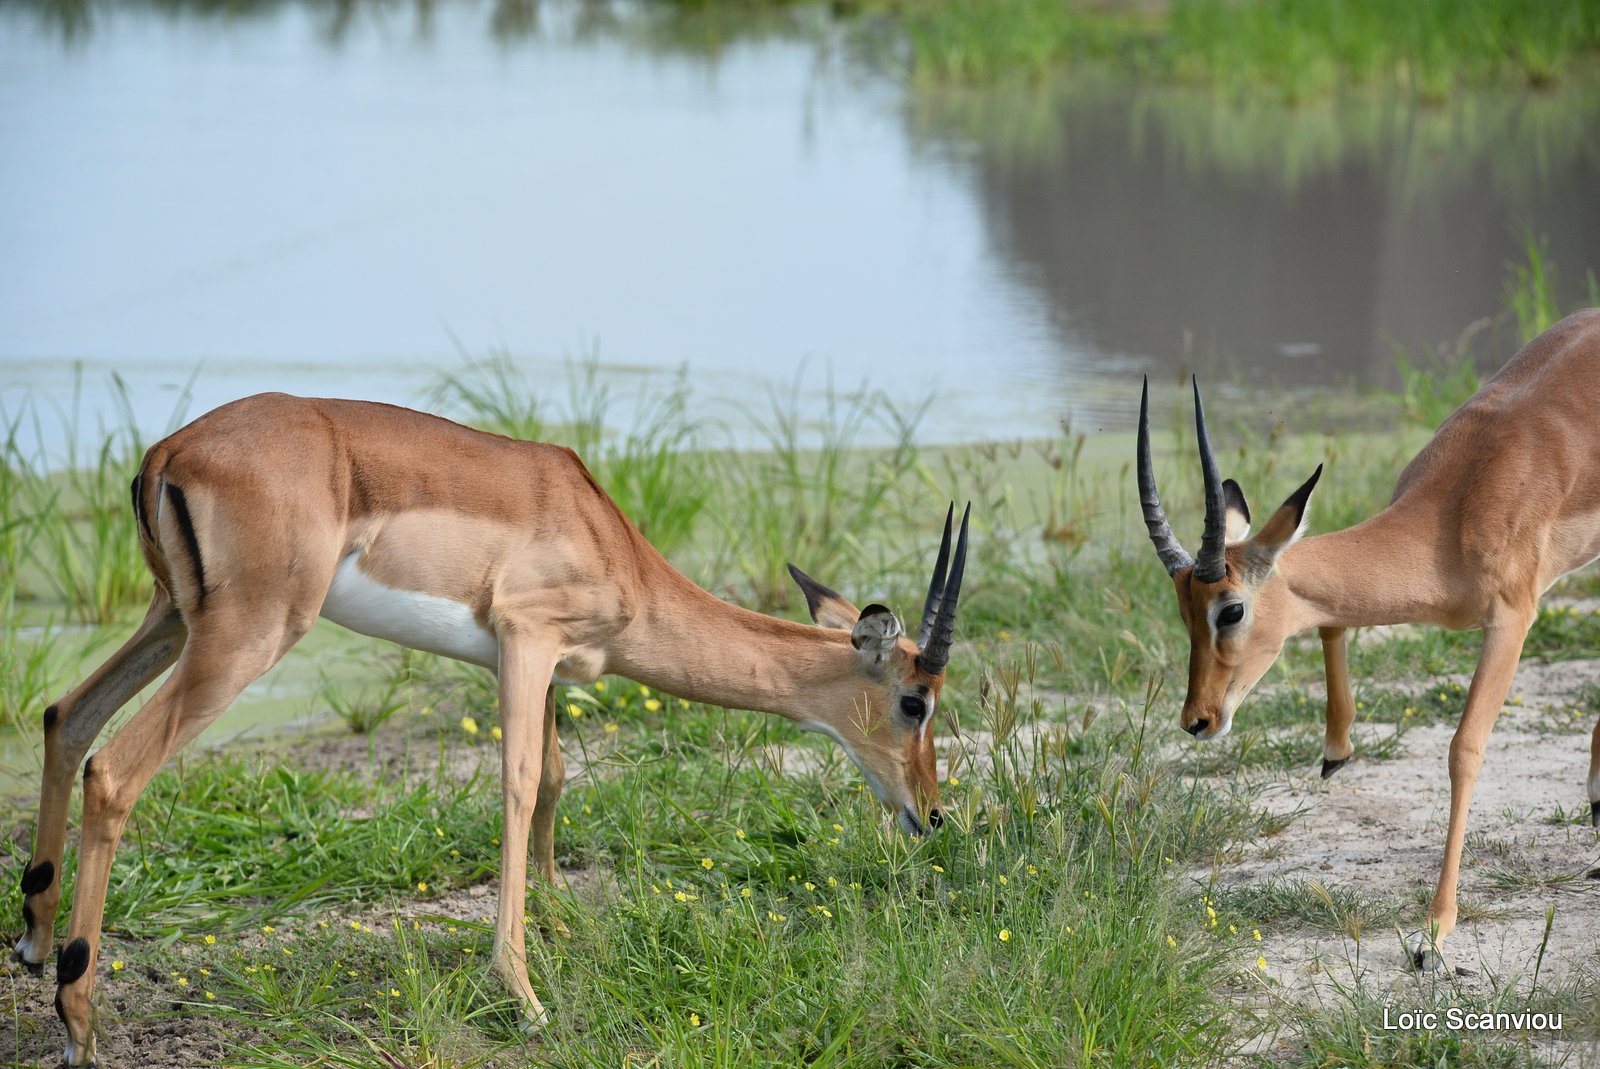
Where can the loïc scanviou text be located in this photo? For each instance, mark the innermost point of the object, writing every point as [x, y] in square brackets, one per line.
[1456, 1019]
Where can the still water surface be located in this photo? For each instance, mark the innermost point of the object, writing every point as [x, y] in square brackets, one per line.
[341, 200]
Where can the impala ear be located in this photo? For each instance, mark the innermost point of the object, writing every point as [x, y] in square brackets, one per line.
[1237, 514]
[1280, 532]
[876, 635]
[828, 608]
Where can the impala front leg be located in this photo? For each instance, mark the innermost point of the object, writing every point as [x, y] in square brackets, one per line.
[1491, 682]
[526, 666]
[1336, 745]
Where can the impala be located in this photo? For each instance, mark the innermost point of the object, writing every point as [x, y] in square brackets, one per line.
[1501, 503]
[273, 510]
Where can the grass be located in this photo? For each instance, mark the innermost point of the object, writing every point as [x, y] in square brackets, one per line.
[739, 898]
[1297, 50]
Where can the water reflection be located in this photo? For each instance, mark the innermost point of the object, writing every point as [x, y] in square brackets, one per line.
[341, 197]
[1297, 245]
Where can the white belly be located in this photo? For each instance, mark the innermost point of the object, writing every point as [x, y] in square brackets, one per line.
[409, 617]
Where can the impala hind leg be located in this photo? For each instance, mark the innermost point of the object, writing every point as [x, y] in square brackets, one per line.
[1594, 776]
[221, 658]
[1337, 748]
[70, 727]
[1491, 682]
[526, 666]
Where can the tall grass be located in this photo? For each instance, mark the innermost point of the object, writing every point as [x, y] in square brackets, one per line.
[1300, 50]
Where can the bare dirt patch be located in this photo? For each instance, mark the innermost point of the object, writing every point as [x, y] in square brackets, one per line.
[1374, 835]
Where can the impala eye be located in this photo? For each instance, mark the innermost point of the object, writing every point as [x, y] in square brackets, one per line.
[1231, 614]
[914, 707]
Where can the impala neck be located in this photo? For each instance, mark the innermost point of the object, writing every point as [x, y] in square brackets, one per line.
[1383, 571]
[691, 644]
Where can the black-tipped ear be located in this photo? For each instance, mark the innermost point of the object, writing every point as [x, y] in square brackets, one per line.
[828, 607]
[1236, 510]
[1299, 499]
[1280, 531]
[876, 633]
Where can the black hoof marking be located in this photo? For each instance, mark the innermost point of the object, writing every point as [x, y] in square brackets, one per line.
[72, 962]
[1594, 814]
[34, 967]
[1330, 767]
[38, 878]
[50, 715]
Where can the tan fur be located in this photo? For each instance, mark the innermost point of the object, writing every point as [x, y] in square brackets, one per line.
[277, 490]
[1502, 502]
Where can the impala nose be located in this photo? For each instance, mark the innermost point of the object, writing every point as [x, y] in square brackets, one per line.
[1198, 727]
[935, 819]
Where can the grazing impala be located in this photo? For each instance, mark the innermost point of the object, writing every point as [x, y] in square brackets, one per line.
[273, 510]
[1500, 504]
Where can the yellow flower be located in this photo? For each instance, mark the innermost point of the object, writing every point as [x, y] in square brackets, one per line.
[183, 981]
[1005, 935]
[210, 995]
[600, 685]
[744, 891]
[1261, 963]
[824, 911]
[1003, 880]
[707, 863]
[574, 710]
[469, 725]
[117, 966]
[652, 704]
[210, 939]
[954, 782]
[738, 833]
[832, 882]
[422, 885]
[497, 733]
[611, 726]
[694, 1020]
[810, 886]
[1255, 933]
[268, 929]
[654, 888]
[938, 868]
[644, 691]
[1171, 942]
[838, 827]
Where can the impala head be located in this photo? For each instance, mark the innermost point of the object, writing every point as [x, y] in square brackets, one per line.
[884, 713]
[1231, 595]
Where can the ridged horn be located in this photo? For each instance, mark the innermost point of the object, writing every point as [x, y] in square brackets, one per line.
[1210, 566]
[1173, 556]
[930, 607]
[934, 652]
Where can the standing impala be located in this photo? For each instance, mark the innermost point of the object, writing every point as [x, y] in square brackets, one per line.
[273, 510]
[1499, 505]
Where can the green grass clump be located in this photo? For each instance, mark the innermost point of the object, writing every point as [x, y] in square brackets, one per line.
[1299, 50]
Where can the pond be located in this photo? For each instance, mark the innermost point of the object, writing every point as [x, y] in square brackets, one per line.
[345, 198]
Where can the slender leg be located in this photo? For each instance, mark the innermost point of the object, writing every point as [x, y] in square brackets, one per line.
[1336, 746]
[1491, 682]
[70, 727]
[222, 657]
[526, 665]
[551, 780]
[1594, 776]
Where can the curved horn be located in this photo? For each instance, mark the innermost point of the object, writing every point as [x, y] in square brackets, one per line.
[935, 653]
[1210, 565]
[936, 588]
[1173, 556]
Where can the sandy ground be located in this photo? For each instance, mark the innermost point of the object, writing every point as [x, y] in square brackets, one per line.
[1377, 829]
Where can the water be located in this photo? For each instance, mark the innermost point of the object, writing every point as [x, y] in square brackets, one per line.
[337, 199]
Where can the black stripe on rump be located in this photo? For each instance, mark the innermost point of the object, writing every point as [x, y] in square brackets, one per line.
[180, 510]
[138, 508]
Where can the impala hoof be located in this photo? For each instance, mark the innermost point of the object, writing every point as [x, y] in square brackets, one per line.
[1594, 814]
[1330, 767]
[35, 968]
[1425, 955]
